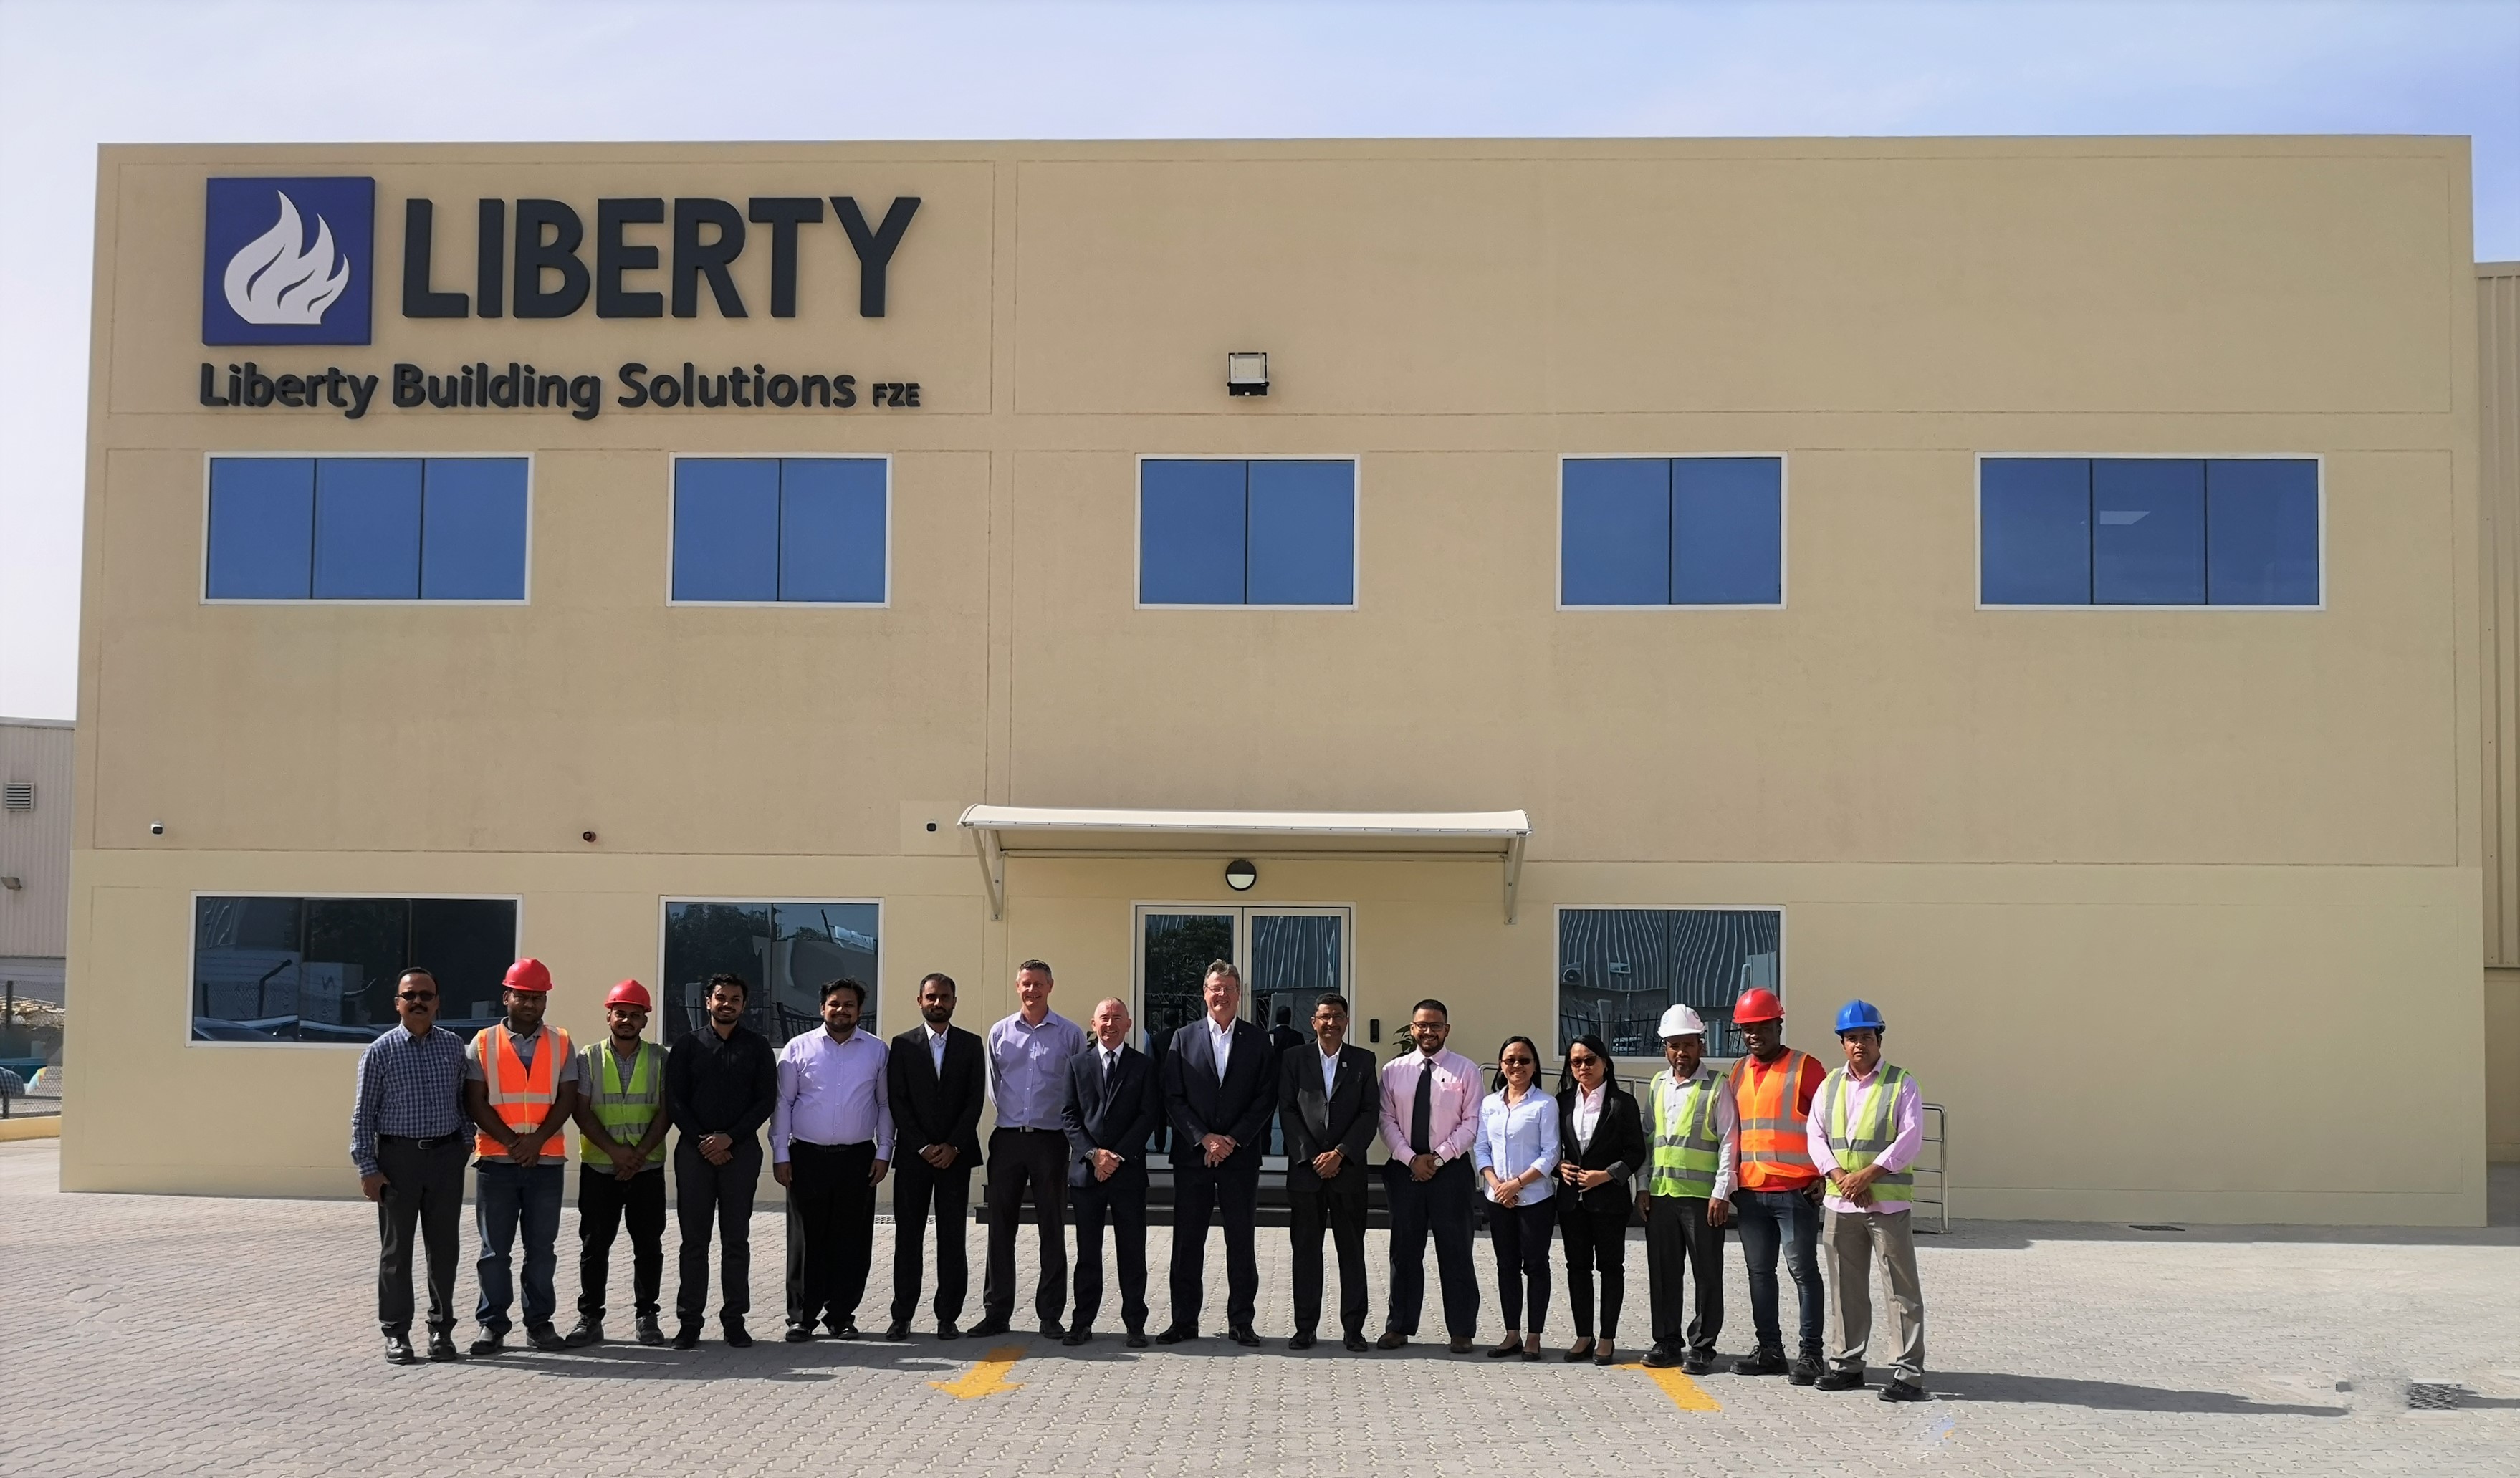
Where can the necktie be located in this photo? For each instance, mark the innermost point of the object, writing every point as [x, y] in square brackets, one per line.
[1421, 1115]
[1110, 1059]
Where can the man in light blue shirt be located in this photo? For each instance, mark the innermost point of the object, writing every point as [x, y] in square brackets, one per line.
[1028, 1054]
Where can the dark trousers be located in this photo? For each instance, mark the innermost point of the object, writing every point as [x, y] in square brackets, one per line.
[1125, 1208]
[1597, 1240]
[603, 1202]
[1520, 1235]
[1441, 1206]
[505, 1198]
[423, 1193]
[1678, 1243]
[830, 1231]
[1340, 1208]
[1019, 1158]
[915, 1187]
[1789, 1220]
[1228, 1193]
[721, 1193]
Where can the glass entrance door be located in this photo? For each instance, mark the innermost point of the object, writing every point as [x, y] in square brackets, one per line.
[1287, 955]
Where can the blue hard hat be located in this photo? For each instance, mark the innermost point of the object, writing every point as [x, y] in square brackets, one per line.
[1856, 1015]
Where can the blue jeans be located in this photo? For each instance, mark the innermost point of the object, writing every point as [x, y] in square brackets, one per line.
[1767, 1219]
[503, 1194]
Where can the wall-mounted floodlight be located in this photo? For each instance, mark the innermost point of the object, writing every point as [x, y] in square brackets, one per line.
[1246, 374]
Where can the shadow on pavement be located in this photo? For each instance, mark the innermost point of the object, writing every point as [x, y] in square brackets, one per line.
[2106, 1396]
[2501, 1229]
[773, 1359]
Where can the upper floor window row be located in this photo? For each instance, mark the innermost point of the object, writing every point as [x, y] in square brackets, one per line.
[771, 529]
[1671, 531]
[1222, 532]
[2148, 532]
[367, 528]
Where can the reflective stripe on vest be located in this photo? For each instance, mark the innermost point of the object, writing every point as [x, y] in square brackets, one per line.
[625, 1109]
[1861, 1132]
[1773, 1134]
[520, 1096]
[1686, 1154]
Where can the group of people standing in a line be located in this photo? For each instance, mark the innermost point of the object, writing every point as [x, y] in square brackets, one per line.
[1802, 1158]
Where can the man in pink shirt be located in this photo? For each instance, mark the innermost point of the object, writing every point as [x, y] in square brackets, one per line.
[1868, 1123]
[1430, 1119]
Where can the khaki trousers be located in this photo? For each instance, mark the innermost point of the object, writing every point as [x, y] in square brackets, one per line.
[1849, 1243]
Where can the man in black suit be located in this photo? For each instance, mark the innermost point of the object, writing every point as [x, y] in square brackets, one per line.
[1220, 1087]
[1112, 1107]
[937, 1077]
[1328, 1100]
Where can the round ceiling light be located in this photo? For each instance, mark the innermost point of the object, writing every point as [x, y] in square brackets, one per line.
[1239, 876]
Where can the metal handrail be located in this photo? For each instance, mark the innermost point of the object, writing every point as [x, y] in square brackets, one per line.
[1936, 1131]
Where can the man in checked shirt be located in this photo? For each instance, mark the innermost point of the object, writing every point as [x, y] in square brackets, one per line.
[408, 1137]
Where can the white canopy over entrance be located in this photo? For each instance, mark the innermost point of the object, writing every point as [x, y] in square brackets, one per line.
[1078, 832]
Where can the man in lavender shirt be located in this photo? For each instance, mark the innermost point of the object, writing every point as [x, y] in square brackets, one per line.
[1028, 1054]
[831, 1142]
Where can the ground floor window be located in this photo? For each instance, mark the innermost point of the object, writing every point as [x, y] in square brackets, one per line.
[323, 970]
[783, 951]
[1619, 969]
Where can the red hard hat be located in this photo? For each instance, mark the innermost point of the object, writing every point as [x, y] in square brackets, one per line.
[1757, 1005]
[629, 993]
[529, 975]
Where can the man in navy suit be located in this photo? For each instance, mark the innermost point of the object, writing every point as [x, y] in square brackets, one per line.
[1220, 1087]
[1329, 1099]
[1111, 1109]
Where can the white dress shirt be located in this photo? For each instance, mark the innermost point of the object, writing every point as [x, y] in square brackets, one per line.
[1588, 1113]
[936, 1048]
[831, 1092]
[1330, 1073]
[1220, 1040]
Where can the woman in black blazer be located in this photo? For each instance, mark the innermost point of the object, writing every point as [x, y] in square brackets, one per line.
[1602, 1135]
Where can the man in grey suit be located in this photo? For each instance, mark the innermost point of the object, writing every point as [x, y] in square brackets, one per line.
[1112, 1107]
[1328, 1100]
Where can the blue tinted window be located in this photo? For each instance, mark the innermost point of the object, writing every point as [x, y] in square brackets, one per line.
[1191, 533]
[2262, 532]
[830, 529]
[472, 529]
[2034, 531]
[2147, 532]
[1302, 533]
[262, 528]
[725, 529]
[1614, 534]
[1727, 530]
[367, 528]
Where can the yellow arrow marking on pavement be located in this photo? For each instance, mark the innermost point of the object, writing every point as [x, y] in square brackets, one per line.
[1683, 1392]
[988, 1378]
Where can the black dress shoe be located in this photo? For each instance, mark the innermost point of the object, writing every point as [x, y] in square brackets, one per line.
[1463, 1346]
[1077, 1336]
[1391, 1339]
[1137, 1339]
[897, 1329]
[650, 1332]
[442, 1347]
[945, 1329]
[847, 1328]
[586, 1332]
[1804, 1371]
[398, 1351]
[688, 1337]
[1693, 1364]
[1174, 1335]
[738, 1337]
[545, 1338]
[798, 1334]
[489, 1343]
[1902, 1390]
[1300, 1342]
[1841, 1380]
[1243, 1335]
[1761, 1363]
[1357, 1343]
[1051, 1329]
[1660, 1358]
[988, 1329]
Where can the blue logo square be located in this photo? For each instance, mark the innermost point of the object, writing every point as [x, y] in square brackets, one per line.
[289, 262]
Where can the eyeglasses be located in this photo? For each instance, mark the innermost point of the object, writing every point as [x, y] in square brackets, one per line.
[1519, 1061]
[1580, 1059]
[417, 997]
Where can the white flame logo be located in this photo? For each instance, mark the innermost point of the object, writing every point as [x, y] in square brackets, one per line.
[271, 281]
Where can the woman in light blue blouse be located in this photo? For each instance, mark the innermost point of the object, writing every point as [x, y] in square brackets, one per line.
[1517, 1160]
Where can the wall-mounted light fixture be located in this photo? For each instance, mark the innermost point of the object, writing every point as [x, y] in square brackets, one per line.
[12, 883]
[1239, 876]
[1246, 374]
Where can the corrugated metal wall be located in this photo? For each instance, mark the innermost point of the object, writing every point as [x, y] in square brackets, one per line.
[2497, 306]
[35, 845]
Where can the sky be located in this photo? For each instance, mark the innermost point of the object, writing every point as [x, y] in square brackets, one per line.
[76, 75]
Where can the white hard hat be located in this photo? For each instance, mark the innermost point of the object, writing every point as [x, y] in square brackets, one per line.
[1681, 1021]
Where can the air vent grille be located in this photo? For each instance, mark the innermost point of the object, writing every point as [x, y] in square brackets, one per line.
[18, 795]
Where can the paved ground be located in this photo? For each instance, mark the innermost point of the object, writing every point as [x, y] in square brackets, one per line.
[148, 1335]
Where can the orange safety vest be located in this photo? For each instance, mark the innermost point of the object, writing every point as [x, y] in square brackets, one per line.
[1772, 1106]
[520, 1096]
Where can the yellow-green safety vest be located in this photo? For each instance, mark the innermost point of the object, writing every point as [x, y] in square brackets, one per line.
[624, 1105]
[1687, 1153]
[1860, 1127]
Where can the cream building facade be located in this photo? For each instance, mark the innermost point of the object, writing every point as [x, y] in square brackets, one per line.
[2177, 907]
